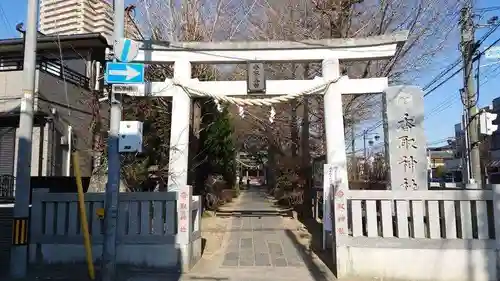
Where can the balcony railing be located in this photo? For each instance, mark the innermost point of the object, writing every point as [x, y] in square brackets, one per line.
[6, 187]
[48, 66]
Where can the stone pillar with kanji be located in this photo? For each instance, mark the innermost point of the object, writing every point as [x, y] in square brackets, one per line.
[184, 225]
[406, 149]
[338, 206]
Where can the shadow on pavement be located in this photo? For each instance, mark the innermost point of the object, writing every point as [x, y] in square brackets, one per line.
[315, 228]
[203, 245]
[319, 271]
[206, 278]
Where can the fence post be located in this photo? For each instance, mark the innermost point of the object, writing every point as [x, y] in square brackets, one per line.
[496, 214]
[37, 218]
[197, 221]
[184, 225]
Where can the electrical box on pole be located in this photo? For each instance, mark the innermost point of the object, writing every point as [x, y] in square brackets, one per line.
[486, 120]
[130, 136]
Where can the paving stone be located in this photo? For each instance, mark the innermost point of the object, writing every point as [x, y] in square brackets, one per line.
[235, 227]
[246, 257]
[246, 243]
[234, 240]
[247, 223]
[262, 259]
[273, 237]
[290, 251]
[233, 247]
[279, 262]
[249, 255]
[258, 226]
[295, 262]
[230, 259]
[247, 262]
[260, 246]
[275, 249]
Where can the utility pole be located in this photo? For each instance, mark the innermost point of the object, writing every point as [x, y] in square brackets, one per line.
[19, 251]
[113, 184]
[468, 47]
[365, 153]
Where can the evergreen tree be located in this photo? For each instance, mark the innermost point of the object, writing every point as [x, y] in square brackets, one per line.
[217, 148]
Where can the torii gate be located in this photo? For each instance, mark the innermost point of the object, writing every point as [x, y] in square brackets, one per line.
[328, 51]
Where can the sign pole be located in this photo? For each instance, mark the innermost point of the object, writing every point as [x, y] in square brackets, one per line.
[112, 187]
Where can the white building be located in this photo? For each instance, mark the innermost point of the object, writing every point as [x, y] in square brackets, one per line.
[67, 17]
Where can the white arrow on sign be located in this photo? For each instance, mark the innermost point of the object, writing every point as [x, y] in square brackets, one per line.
[129, 73]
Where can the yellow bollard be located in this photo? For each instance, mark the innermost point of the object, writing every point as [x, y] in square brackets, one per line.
[83, 216]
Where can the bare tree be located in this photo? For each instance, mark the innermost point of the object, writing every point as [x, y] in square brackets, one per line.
[429, 22]
[167, 21]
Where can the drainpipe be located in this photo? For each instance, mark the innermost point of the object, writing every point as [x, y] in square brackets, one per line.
[52, 143]
[68, 155]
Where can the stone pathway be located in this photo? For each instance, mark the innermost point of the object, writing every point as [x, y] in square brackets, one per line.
[260, 242]
[253, 199]
[261, 249]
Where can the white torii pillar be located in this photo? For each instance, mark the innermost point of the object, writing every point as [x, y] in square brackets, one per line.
[334, 116]
[178, 163]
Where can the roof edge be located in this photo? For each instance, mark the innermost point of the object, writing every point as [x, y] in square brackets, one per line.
[61, 38]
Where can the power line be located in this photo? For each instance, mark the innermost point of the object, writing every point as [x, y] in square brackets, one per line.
[446, 71]
[441, 74]
[5, 20]
[443, 82]
[488, 9]
[378, 124]
[457, 62]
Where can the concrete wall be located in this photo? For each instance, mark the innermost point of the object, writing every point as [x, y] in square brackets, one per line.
[10, 99]
[71, 104]
[11, 89]
[69, 101]
[390, 259]
[39, 151]
[434, 235]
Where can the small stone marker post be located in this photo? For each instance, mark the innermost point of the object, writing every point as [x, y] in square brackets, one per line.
[184, 224]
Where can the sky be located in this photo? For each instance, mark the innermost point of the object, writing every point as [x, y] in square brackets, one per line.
[443, 107]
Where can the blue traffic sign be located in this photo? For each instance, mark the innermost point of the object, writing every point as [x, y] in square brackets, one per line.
[125, 50]
[124, 73]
